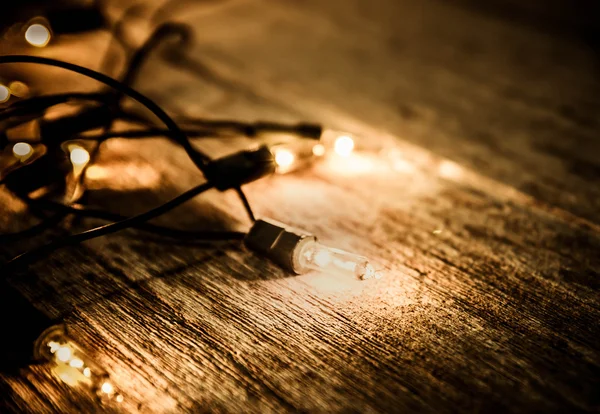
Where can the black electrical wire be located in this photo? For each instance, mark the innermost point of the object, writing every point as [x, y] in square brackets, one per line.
[113, 100]
[184, 33]
[134, 133]
[148, 133]
[251, 129]
[244, 199]
[102, 99]
[240, 127]
[142, 53]
[179, 136]
[85, 211]
[133, 69]
[141, 133]
[45, 101]
[158, 36]
[41, 103]
[74, 239]
[248, 129]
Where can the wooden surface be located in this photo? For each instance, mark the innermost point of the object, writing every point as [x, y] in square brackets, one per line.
[488, 229]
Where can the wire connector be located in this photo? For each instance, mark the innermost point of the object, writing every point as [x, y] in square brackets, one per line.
[299, 252]
[240, 168]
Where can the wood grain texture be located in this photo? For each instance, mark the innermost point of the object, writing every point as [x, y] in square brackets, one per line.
[488, 234]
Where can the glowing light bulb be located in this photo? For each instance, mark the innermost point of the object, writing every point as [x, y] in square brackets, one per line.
[76, 363]
[53, 346]
[312, 255]
[284, 158]
[63, 354]
[291, 156]
[450, 170]
[37, 35]
[397, 161]
[79, 156]
[318, 150]
[344, 145]
[4, 93]
[336, 142]
[72, 365]
[300, 252]
[107, 388]
[18, 88]
[22, 151]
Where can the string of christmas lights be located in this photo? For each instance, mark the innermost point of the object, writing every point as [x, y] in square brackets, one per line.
[51, 156]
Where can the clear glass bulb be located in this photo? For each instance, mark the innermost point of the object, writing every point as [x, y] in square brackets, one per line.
[37, 35]
[79, 156]
[336, 142]
[312, 255]
[318, 150]
[291, 156]
[284, 158]
[22, 151]
[4, 93]
[73, 366]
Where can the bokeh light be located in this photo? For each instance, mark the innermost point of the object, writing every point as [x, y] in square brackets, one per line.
[22, 150]
[4, 93]
[37, 35]
[319, 150]
[344, 145]
[79, 156]
[284, 158]
[19, 89]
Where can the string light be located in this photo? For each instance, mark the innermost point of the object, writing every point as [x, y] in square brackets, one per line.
[72, 365]
[318, 150]
[79, 156]
[450, 170]
[18, 89]
[344, 145]
[312, 255]
[294, 250]
[337, 142]
[290, 157]
[300, 252]
[4, 93]
[22, 151]
[284, 158]
[293, 155]
[37, 35]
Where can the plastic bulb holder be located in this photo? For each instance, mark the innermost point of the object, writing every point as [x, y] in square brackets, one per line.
[300, 252]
